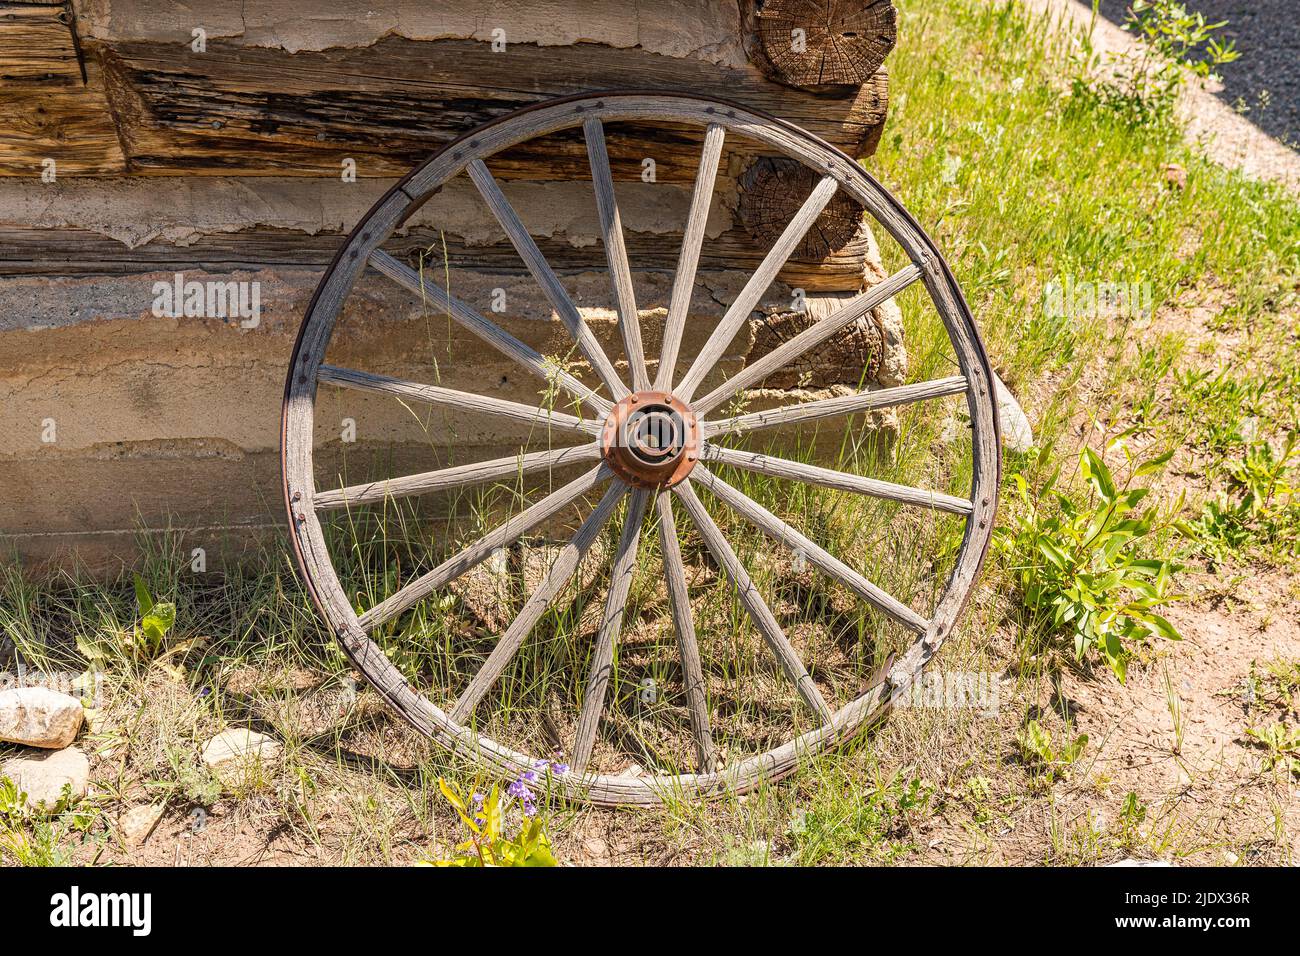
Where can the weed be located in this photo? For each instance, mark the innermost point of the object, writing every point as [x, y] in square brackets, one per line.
[1132, 814]
[1174, 701]
[1261, 509]
[488, 845]
[1281, 745]
[877, 819]
[1142, 87]
[1082, 570]
[1049, 758]
[40, 838]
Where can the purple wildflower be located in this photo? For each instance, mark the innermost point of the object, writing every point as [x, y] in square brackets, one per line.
[519, 790]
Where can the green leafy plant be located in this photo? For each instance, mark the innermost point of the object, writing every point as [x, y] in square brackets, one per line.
[35, 838]
[143, 641]
[488, 844]
[1050, 758]
[156, 619]
[1281, 746]
[1142, 87]
[873, 823]
[1261, 508]
[1082, 570]
[1132, 814]
[1279, 684]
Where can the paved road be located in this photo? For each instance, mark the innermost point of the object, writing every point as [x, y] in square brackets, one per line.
[1267, 33]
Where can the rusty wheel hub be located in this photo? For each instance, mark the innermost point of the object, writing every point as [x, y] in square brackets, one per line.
[651, 440]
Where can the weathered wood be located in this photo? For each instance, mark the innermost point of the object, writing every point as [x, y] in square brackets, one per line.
[738, 312]
[648, 789]
[459, 476]
[689, 258]
[688, 648]
[818, 43]
[546, 278]
[784, 534]
[565, 563]
[268, 112]
[49, 108]
[809, 338]
[490, 332]
[775, 467]
[764, 621]
[541, 418]
[620, 274]
[611, 626]
[788, 415]
[772, 191]
[504, 534]
[72, 252]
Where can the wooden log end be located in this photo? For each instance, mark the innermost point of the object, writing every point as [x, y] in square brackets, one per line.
[773, 189]
[818, 43]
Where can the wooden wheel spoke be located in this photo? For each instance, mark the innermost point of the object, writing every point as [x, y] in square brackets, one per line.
[835, 407]
[593, 393]
[679, 302]
[488, 331]
[788, 536]
[611, 626]
[565, 564]
[620, 273]
[545, 277]
[753, 603]
[679, 601]
[830, 478]
[738, 312]
[809, 338]
[456, 477]
[462, 401]
[501, 536]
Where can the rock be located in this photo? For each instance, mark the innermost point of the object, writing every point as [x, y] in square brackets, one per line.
[536, 560]
[1016, 433]
[1132, 862]
[234, 754]
[135, 825]
[43, 776]
[39, 717]
[485, 593]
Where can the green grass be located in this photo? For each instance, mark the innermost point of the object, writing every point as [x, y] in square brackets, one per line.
[1021, 184]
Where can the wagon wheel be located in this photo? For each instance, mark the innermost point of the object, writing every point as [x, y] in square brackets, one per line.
[647, 441]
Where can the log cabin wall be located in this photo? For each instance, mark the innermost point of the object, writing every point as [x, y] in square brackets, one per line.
[240, 141]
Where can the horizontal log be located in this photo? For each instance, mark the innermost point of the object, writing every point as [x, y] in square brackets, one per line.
[388, 106]
[83, 252]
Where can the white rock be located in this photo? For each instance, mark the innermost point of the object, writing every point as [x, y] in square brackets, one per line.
[234, 753]
[39, 717]
[43, 776]
[136, 824]
[1132, 862]
[1016, 433]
